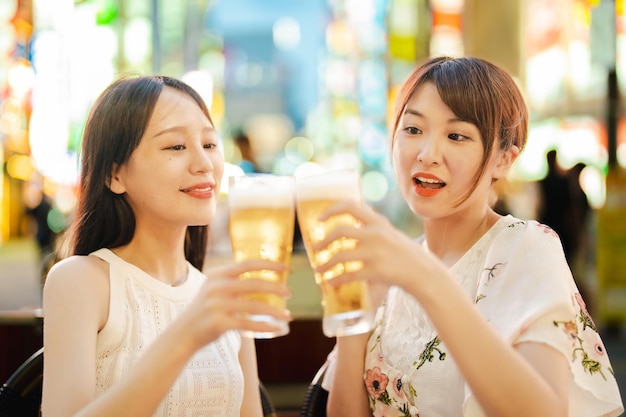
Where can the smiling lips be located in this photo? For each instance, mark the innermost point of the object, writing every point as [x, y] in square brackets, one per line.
[204, 190]
[427, 185]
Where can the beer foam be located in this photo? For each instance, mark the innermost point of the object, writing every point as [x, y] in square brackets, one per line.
[330, 186]
[261, 197]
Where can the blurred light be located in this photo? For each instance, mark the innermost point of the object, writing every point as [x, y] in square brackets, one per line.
[32, 194]
[284, 166]
[308, 168]
[286, 33]
[249, 74]
[372, 87]
[447, 6]
[202, 82]
[373, 143]
[299, 149]
[360, 11]
[340, 38]
[446, 41]
[20, 167]
[56, 220]
[402, 18]
[65, 198]
[375, 186]
[340, 77]
[7, 43]
[7, 9]
[344, 160]
[372, 38]
[21, 78]
[621, 155]
[48, 135]
[544, 80]
[137, 40]
[593, 184]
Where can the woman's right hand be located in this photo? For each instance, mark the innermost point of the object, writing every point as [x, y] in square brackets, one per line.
[220, 304]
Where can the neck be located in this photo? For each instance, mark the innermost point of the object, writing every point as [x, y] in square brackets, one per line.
[450, 237]
[157, 254]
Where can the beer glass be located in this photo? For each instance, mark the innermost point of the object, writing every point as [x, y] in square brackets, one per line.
[261, 225]
[347, 307]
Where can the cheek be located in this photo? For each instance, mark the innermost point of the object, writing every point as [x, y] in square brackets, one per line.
[218, 168]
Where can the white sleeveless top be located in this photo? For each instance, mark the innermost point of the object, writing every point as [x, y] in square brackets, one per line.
[141, 308]
[518, 277]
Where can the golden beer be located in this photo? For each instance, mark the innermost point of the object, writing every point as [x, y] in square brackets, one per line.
[261, 226]
[346, 307]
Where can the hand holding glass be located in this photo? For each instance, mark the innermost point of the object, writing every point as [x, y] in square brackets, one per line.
[346, 307]
[261, 225]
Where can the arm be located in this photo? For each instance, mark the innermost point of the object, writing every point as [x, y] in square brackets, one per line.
[76, 308]
[530, 380]
[251, 395]
[348, 389]
[76, 298]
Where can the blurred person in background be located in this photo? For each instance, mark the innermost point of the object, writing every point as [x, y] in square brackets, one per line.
[248, 161]
[482, 316]
[563, 206]
[132, 326]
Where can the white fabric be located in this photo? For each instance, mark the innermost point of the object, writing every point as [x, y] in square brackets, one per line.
[140, 308]
[518, 277]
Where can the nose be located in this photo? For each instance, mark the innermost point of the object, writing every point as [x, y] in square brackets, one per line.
[201, 161]
[430, 151]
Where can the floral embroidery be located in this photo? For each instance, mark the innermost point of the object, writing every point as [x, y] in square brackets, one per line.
[517, 223]
[376, 382]
[579, 352]
[427, 354]
[548, 229]
[492, 270]
[585, 317]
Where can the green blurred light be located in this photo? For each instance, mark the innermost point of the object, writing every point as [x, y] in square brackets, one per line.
[375, 186]
[56, 220]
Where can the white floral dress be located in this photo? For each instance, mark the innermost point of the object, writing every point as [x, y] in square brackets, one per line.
[519, 279]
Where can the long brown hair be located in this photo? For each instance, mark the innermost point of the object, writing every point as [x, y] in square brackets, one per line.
[478, 92]
[114, 127]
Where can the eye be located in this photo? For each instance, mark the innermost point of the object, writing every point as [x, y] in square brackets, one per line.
[456, 137]
[411, 130]
[177, 147]
[210, 145]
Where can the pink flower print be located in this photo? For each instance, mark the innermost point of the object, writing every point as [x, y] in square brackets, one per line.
[376, 382]
[398, 384]
[548, 229]
[571, 330]
[583, 308]
[599, 349]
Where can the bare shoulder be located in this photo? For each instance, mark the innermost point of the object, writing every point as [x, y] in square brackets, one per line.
[78, 284]
[78, 271]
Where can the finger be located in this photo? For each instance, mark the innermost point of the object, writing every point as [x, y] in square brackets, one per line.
[341, 262]
[340, 232]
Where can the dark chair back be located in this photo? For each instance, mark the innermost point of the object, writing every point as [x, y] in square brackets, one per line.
[20, 395]
[315, 399]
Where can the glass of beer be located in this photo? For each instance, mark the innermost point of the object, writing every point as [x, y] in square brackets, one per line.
[346, 307]
[261, 226]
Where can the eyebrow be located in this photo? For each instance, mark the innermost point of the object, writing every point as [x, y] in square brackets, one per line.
[207, 128]
[419, 114]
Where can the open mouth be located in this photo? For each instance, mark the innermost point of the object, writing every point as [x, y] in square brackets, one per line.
[197, 190]
[429, 183]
